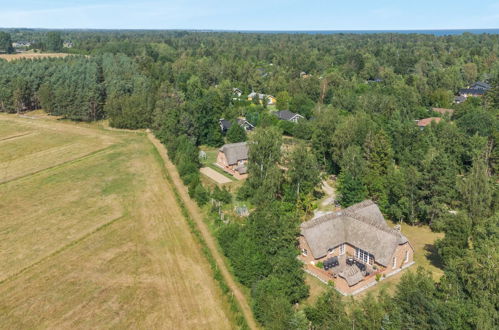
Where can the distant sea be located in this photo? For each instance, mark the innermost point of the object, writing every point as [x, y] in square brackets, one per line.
[433, 32]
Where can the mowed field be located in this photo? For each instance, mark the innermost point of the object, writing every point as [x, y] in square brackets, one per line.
[30, 55]
[91, 235]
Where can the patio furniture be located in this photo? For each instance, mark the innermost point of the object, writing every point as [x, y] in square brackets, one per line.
[330, 263]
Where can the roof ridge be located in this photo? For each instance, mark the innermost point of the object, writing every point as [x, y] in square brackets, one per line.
[371, 222]
[350, 212]
[321, 219]
[364, 203]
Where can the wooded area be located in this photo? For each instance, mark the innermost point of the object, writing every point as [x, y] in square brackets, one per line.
[361, 96]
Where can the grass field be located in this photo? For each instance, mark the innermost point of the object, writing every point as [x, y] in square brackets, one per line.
[91, 235]
[422, 240]
[30, 55]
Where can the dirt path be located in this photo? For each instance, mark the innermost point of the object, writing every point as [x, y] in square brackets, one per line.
[197, 216]
[330, 192]
[214, 175]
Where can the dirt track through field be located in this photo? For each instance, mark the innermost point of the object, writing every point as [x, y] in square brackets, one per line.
[197, 216]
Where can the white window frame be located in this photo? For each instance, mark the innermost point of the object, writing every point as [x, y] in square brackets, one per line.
[362, 255]
[342, 249]
[304, 252]
[394, 262]
[406, 259]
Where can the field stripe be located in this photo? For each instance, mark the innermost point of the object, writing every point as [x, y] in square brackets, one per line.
[62, 249]
[68, 162]
[15, 136]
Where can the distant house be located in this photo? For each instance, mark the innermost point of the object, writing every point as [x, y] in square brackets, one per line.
[237, 92]
[472, 92]
[444, 111]
[422, 123]
[270, 99]
[354, 246]
[375, 80]
[477, 89]
[226, 124]
[233, 158]
[481, 85]
[288, 115]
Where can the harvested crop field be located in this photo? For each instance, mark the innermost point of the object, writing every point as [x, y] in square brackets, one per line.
[30, 55]
[91, 235]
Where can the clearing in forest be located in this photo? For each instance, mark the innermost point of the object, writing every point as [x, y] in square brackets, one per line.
[91, 235]
[30, 55]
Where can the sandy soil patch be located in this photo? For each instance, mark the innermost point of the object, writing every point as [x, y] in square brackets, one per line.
[214, 175]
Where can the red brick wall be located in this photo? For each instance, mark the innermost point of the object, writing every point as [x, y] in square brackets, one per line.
[400, 256]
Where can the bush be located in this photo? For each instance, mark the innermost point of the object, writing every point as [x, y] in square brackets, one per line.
[201, 195]
[320, 265]
[222, 195]
[236, 133]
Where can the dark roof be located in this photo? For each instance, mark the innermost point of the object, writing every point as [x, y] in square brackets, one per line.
[459, 99]
[225, 124]
[286, 114]
[361, 225]
[472, 91]
[235, 152]
[480, 85]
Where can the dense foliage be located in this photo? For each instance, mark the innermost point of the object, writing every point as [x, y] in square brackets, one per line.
[360, 94]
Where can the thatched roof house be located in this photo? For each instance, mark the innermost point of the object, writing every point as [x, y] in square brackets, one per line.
[352, 247]
[361, 225]
[233, 158]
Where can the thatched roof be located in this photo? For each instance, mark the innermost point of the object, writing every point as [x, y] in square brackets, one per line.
[235, 152]
[361, 225]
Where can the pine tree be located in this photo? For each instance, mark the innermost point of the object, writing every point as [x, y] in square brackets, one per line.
[476, 191]
[351, 189]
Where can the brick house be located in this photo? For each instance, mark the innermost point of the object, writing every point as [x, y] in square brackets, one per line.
[233, 158]
[355, 246]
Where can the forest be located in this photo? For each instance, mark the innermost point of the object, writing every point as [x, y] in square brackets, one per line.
[361, 96]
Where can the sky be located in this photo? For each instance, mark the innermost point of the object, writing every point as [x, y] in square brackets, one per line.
[251, 15]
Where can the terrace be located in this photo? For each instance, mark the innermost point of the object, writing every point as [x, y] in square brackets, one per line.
[347, 272]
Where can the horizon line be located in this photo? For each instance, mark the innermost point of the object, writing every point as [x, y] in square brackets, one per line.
[246, 30]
